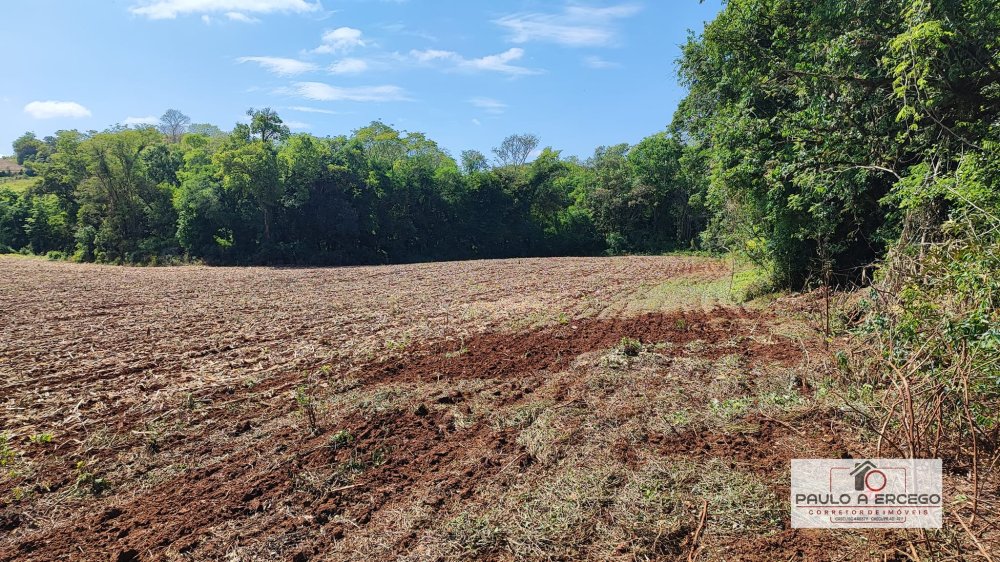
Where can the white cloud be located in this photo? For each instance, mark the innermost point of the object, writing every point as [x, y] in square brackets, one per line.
[348, 66]
[499, 62]
[575, 26]
[599, 63]
[401, 29]
[170, 9]
[489, 104]
[319, 91]
[149, 120]
[281, 66]
[430, 55]
[341, 40]
[241, 17]
[476, 122]
[610, 12]
[305, 109]
[297, 125]
[53, 109]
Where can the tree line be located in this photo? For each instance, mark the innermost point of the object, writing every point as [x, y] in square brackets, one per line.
[842, 138]
[261, 195]
[816, 135]
[831, 131]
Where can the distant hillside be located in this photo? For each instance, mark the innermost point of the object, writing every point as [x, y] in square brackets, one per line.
[10, 165]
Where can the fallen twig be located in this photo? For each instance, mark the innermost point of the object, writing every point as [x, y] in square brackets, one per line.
[975, 540]
[695, 548]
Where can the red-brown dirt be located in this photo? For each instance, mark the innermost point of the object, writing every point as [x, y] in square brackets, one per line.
[410, 446]
[551, 348]
[178, 405]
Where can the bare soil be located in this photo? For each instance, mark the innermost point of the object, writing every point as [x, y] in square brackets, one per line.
[468, 410]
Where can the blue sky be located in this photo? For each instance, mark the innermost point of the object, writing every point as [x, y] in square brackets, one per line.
[579, 74]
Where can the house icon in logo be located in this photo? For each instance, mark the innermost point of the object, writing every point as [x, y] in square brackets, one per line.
[860, 471]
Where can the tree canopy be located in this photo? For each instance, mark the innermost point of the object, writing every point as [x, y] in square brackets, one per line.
[260, 194]
[827, 130]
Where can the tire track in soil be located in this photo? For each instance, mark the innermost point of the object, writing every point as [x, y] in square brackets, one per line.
[259, 486]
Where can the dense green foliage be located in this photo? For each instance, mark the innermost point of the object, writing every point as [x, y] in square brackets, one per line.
[262, 195]
[830, 128]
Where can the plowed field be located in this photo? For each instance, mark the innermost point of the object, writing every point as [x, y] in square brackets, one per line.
[549, 409]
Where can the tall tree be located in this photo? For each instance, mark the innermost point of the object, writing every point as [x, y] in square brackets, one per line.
[515, 150]
[174, 124]
[28, 147]
[131, 215]
[206, 129]
[794, 107]
[474, 161]
[248, 168]
[266, 124]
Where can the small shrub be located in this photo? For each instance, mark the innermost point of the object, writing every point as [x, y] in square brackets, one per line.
[630, 346]
[87, 481]
[341, 439]
[307, 406]
[930, 342]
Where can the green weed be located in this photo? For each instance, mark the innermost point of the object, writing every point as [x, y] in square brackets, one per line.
[307, 407]
[89, 482]
[730, 408]
[630, 346]
[7, 453]
[397, 345]
[41, 438]
[341, 439]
